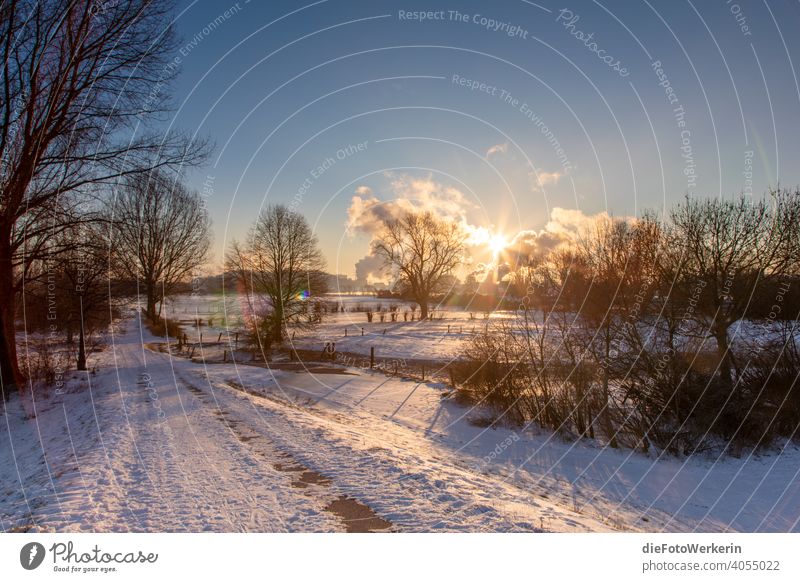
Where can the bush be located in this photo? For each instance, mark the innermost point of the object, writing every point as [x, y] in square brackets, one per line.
[489, 374]
[163, 327]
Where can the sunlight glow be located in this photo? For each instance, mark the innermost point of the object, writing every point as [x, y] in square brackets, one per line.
[497, 243]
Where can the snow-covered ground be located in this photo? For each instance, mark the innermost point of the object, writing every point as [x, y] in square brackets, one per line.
[441, 338]
[156, 443]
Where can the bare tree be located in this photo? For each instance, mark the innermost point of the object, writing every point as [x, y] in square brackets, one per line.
[423, 250]
[80, 81]
[732, 248]
[83, 278]
[161, 233]
[280, 263]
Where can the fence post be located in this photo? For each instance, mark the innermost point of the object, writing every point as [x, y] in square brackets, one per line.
[345, 332]
[362, 331]
[371, 357]
[423, 372]
[224, 355]
[219, 339]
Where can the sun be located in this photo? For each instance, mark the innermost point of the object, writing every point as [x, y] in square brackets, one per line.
[497, 243]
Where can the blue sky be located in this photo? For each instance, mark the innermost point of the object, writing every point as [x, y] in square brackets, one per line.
[288, 91]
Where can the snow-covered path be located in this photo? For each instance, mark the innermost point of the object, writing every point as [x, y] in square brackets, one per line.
[119, 464]
[156, 443]
[152, 444]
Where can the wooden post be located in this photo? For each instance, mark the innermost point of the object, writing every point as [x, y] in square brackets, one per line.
[236, 341]
[423, 372]
[452, 378]
[395, 367]
[371, 357]
[219, 339]
[224, 355]
[201, 338]
[362, 331]
[345, 332]
[448, 328]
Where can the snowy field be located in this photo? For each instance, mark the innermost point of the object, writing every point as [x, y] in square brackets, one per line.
[158, 443]
[441, 337]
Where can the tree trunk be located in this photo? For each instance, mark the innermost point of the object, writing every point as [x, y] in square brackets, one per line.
[724, 355]
[151, 305]
[81, 349]
[278, 324]
[277, 331]
[10, 374]
[608, 425]
[423, 309]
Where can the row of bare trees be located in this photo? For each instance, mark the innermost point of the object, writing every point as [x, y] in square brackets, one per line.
[656, 332]
[81, 103]
[278, 269]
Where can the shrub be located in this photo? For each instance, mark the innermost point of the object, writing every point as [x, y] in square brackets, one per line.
[163, 327]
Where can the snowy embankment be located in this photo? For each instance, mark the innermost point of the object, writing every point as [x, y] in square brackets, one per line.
[155, 443]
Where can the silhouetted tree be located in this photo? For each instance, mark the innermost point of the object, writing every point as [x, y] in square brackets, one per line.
[161, 233]
[731, 249]
[80, 82]
[422, 250]
[282, 264]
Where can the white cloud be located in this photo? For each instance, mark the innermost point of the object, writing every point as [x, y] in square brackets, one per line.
[540, 178]
[565, 226]
[572, 222]
[546, 178]
[533, 243]
[500, 148]
[370, 269]
[367, 213]
[411, 194]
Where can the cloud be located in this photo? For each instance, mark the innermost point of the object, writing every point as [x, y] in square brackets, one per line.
[534, 244]
[540, 178]
[499, 148]
[546, 178]
[367, 213]
[572, 222]
[564, 226]
[369, 270]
